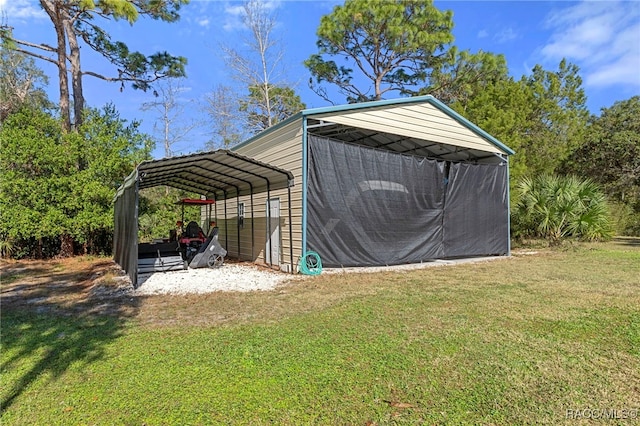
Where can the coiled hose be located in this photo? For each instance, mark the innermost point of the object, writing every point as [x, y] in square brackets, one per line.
[310, 263]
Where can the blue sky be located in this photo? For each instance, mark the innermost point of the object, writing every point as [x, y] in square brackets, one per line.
[601, 37]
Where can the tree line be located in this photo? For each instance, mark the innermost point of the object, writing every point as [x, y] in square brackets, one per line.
[61, 162]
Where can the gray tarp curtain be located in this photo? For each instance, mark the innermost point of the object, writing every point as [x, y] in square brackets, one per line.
[374, 207]
[476, 213]
[125, 237]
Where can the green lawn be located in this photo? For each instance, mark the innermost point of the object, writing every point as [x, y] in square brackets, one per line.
[512, 341]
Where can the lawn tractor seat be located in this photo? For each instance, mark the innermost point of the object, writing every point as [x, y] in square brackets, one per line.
[191, 241]
[193, 230]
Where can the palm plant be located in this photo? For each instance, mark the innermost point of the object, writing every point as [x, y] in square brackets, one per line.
[7, 246]
[556, 207]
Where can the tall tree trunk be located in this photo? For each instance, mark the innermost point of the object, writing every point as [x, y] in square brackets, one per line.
[166, 118]
[76, 85]
[57, 18]
[66, 245]
[262, 36]
[39, 253]
[76, 74]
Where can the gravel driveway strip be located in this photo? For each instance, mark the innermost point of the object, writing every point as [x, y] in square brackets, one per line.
[233, 277]
[204, 280]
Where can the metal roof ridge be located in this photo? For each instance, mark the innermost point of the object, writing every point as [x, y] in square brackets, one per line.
[368, 104]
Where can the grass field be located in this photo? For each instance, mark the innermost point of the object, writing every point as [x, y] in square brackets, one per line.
[534, 339]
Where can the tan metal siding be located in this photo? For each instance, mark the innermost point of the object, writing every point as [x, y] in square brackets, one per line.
[281, 148]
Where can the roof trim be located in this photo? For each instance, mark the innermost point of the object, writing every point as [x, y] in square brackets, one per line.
[283, 123]
[376, 104]
[364, 105]
[460, 119]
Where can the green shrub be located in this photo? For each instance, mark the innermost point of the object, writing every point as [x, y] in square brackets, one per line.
[557, 207]
[57, 188]
[626, 219]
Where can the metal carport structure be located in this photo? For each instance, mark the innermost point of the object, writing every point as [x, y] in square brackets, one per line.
[370, 147]
[217, 175]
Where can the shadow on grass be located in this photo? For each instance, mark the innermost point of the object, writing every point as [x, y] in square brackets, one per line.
[51, 321]
[628, 241]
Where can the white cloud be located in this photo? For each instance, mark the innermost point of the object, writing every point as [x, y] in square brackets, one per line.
[505, 35]
[502, 36]
[603, 38]
[234, 13]
[233, 17]
[204, 22]
[20, 10]
[622, 71]
[234, 10]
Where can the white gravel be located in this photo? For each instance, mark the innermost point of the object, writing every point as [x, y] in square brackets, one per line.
[232, 277]
[205, 280]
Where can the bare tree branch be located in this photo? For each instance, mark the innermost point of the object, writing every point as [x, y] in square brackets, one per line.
[41, 46]
[36, 55]
[156, 77]
[171, 123]
[259, 68]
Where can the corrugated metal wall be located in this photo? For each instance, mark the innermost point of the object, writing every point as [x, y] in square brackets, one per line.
[282, 148]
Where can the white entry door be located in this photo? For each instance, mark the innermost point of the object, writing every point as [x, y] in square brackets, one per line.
[272, 248]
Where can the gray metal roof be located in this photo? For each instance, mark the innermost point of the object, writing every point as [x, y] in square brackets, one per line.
[217, 174]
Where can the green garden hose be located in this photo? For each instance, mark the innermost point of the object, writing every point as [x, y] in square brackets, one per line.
[310, 263]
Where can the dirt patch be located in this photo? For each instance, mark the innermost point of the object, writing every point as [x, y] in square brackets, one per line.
[84, 286]
[78, 285]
